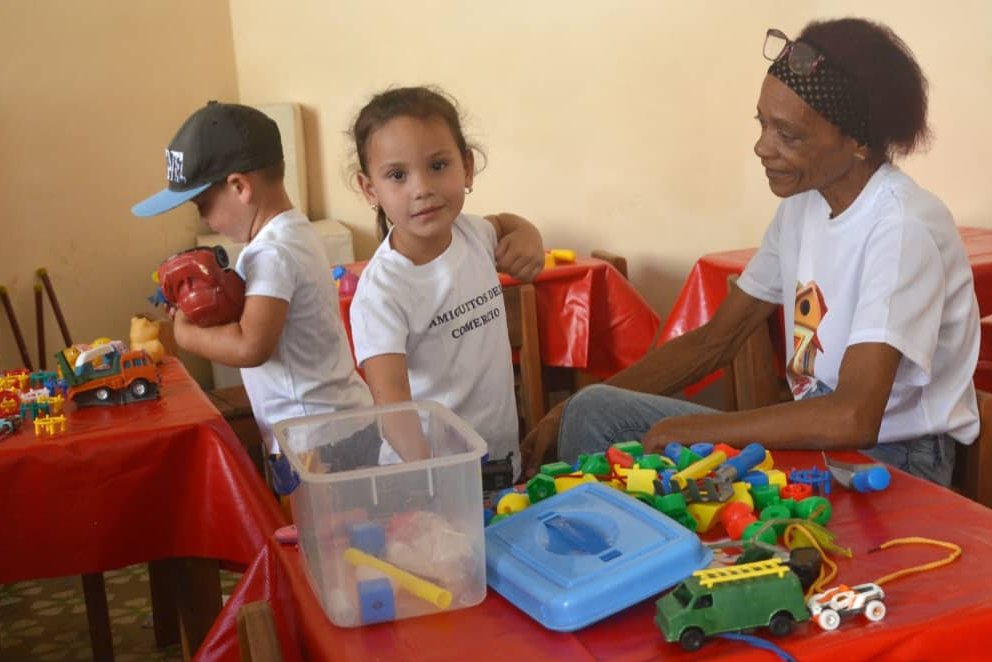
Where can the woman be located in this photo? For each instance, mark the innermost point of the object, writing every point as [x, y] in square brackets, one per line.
[869, 267]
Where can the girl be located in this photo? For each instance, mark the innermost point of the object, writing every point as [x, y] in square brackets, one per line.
[427, 318]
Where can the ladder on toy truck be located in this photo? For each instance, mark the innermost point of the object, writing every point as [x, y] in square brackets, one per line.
[709, 578]
[107, 375]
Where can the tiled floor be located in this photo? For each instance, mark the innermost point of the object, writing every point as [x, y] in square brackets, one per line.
[46, 619]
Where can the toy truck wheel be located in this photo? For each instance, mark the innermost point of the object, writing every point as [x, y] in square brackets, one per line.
[828, 619]
[875, 611]
[139, 388]
[102, 394]
[221, 256]
[692, 639]
[781, 624]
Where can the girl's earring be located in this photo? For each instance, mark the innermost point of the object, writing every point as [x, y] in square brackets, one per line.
[375, 207]
[468, 189]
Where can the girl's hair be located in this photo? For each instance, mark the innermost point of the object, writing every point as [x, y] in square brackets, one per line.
[419, 102]
[886, 72]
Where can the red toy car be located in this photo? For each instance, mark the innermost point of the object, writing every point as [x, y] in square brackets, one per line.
[198, 282]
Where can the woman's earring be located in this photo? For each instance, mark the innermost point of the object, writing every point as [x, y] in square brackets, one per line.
[375, 207]
[468, 189]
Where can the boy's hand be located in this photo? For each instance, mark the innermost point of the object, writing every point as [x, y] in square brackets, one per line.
[541, 444]
[182, 327]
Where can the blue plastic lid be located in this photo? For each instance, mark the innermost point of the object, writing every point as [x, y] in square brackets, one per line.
[584, 554]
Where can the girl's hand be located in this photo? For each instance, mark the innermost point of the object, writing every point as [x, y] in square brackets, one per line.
[519, 249]
[182, 327]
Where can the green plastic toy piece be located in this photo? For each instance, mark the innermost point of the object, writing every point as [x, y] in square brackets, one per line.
[764, 496]
[556, 468]
[632, 448]
[655, 461]
[594, 464]
[816, 508]
[540, 487]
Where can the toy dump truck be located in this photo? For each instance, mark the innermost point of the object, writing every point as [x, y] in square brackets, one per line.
[108, 375]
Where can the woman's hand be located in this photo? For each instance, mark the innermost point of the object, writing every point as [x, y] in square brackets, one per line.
[541, 444]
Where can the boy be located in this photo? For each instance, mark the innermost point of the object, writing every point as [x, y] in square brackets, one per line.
[290, 342]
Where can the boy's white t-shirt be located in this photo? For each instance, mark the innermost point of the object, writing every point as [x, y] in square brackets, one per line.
[311, 370]
[891, 268]
[448, 318]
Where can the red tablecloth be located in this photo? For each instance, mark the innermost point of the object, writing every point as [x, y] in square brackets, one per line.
[132, 483]
[934, 615]
[589, 317]
[706, 287]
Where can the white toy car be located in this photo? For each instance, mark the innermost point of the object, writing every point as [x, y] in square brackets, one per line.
[829, 607]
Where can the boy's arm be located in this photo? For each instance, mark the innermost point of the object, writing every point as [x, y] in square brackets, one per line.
[519, 248]
[247, 343]
[389, 382]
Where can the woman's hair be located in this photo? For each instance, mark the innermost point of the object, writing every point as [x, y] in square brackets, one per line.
[419, 102]
[887, 74]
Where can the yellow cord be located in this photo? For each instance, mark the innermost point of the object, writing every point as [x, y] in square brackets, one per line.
[955, 553]
[828, 569]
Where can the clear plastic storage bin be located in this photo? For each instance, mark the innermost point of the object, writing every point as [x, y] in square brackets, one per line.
[383, 538]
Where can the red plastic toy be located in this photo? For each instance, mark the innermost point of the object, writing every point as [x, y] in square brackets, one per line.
[199, 283]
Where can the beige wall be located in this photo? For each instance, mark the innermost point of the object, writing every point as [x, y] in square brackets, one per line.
[90, 93]
[620, 124]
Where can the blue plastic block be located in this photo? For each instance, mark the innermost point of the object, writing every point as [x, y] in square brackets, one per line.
[375, 598]
[754, 478]
[702, 449]
[370, 537]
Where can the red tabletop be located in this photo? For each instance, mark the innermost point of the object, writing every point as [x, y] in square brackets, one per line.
[930, 615]
[589, 316]
[131, 483]
[706, 287]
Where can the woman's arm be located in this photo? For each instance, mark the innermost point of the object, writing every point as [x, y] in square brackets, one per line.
[669, 368]
[519, 247]
[247, 343]
[850, 417]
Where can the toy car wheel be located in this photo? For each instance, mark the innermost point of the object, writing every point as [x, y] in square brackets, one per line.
[102, 394]
[139, 388]
[692, 639]
[828, 619]
[781, 624]
[875, 611]
[221, 256]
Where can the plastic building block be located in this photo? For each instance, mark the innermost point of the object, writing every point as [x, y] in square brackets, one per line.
[702, 449]
[633, 448]
[654, 461]
[818, 479]
[540, 487]
[765, 495]
[815, 508]
[370, 537]
[869, 477]
[750, 456]
[616, 457]
[556, 468]
[755, 478]
[421, 588]
[376, 601]
[594, 464]
[797, 491]
[513, 502]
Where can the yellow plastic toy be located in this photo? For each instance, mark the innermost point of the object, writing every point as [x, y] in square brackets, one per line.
[421, 588]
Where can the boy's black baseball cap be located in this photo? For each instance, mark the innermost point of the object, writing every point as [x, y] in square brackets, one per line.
[217, 140]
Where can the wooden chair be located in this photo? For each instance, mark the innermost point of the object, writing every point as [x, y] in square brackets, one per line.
[258, 640]
[752, 382]
[521, 320]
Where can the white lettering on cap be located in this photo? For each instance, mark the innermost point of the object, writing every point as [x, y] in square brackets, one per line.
[174, 167]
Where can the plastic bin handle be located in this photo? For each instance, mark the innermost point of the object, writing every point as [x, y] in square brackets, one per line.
[575, 534]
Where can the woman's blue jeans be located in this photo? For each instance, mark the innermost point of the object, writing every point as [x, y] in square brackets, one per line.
[599, 416]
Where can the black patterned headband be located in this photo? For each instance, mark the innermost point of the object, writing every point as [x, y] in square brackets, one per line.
[827, 89]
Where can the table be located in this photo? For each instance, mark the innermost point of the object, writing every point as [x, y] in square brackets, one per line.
[706, 287]
[147, 481]
[589, 316]
[930, 614]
